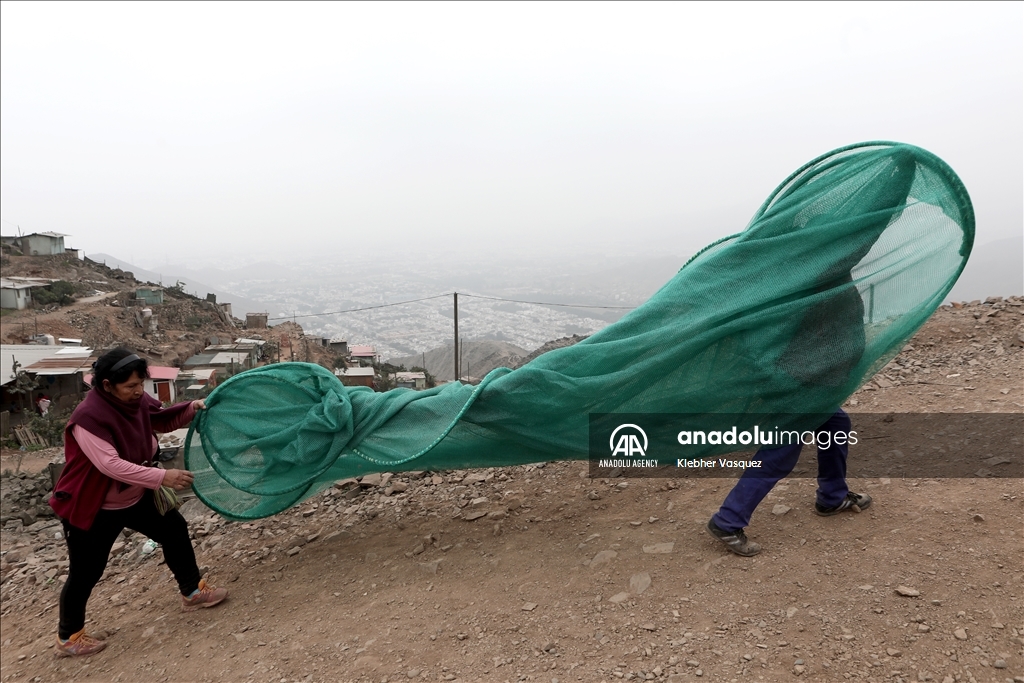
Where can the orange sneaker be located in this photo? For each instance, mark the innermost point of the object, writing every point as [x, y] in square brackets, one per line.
[79, 645]
[206, 596]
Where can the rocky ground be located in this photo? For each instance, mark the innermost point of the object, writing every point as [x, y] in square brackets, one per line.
[541, 573]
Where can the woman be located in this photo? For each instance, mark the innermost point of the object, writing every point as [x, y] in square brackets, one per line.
[108, 483]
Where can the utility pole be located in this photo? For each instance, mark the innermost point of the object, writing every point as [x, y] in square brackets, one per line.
[456, 362]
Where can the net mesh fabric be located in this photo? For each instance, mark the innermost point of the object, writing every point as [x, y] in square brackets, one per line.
[835, 272]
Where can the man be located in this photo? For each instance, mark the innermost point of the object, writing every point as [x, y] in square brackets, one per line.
[833, 496]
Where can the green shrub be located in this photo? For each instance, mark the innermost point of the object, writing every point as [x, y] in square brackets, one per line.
[50, 426]
[60, 292]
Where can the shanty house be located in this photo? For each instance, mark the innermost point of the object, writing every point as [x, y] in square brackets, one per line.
[57, 371]
[355, 377]
[150, 295]
[411, 380]
[194, 383]
[15, 295]
[225, 362]
[16, 292]
[161, 383]
[363, 354]
[42, 244]
[253, 350]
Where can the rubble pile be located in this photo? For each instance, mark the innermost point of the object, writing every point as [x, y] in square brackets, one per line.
[188, 314]
[23, 498]
[96, 331]
[954, 347]
[34, 555]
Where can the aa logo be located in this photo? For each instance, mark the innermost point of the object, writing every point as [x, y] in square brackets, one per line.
[628, 440]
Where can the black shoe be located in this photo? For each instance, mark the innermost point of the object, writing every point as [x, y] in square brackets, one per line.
[853, 501]
[735, 541]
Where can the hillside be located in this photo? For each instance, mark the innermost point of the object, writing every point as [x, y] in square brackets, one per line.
[542, 573]
[239, 305]
[185, 323]
[101, 318]
[478, 358]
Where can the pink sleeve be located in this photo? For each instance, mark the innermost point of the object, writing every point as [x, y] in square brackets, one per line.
[104, 457]
[180, 421]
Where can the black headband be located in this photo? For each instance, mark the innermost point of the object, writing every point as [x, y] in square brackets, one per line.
[124, 361]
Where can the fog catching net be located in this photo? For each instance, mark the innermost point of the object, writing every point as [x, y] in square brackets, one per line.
[836, 271]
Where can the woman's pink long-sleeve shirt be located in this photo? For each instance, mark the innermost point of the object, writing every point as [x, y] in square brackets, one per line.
[104, 457]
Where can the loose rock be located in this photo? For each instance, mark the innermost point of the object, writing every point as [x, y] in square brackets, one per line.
[659, 548]
[638, 583]
[602, 558]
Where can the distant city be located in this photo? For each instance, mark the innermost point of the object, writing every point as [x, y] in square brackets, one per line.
[308, 289]
[424, 325]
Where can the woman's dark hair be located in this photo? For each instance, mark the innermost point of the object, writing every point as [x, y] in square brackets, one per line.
[104, 367]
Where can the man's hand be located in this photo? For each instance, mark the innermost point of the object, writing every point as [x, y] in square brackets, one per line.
[178, 479]
[199, 404]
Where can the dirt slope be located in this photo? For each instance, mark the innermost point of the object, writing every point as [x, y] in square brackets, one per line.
[186, 325]
[573, 579]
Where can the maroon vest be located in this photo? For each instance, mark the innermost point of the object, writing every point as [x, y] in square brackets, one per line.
[81, 489]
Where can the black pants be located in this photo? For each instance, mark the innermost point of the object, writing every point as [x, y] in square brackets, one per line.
[88, 551]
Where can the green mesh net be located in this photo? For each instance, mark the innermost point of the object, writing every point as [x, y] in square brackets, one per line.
[836, 271]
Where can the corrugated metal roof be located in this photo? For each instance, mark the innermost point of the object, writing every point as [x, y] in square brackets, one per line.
[355, 372]
[361, 350]
[28, 354]
[197, 373]
[406, 376]
[231, 347]
[229, 357]
[59, 365]
[23, 282]
[200, 359]
[161, 372]
[66, 351]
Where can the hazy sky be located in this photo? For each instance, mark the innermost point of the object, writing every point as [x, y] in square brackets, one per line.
[224, 131]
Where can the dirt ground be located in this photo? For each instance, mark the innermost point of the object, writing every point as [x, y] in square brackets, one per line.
[577, 579]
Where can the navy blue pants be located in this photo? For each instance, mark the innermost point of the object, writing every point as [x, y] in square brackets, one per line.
[776, 463]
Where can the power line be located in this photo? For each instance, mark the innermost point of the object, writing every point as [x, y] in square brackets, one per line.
[545, 303]
[439, 296]
[354, 310]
